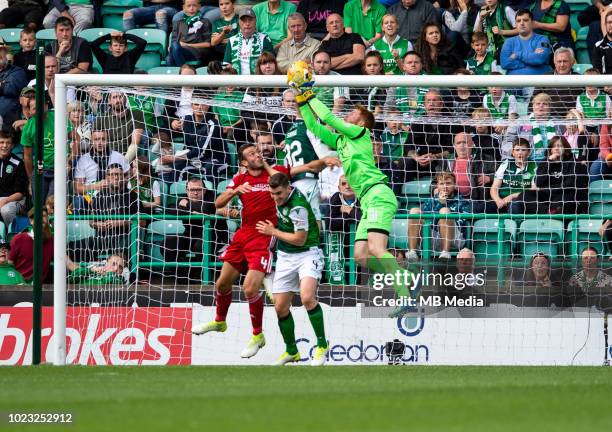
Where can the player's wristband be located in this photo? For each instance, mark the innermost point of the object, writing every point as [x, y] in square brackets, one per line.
[303, 98]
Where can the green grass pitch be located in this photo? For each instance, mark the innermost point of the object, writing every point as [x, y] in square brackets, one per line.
[292, 399]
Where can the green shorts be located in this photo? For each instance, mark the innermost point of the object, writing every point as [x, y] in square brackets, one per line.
[378, 207]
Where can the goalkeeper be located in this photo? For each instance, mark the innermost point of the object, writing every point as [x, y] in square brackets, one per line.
[354, 146]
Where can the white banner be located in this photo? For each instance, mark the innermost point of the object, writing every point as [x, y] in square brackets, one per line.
[428, 340]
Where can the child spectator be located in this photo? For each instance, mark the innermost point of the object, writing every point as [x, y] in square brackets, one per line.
[513, 178]
[190, 36]
[391, 46]
[582, 142]
[224, 27]
[26, 57]
[541, 128]
[394, 136]
[593, 103]
[13, 180]
[446, 232]
[484, 136]
[497, 22]
[120, 60]
[462, 101]
[482, 62]
[501, 105]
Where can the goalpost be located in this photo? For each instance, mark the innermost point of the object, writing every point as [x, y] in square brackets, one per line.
[502, 241]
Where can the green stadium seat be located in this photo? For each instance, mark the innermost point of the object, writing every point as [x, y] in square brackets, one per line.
[164, 70]
[586, 235]
[541, 235]
[148, 60]
[485, 242]
[157, 40]
[11, 38]
[202, 70]
[600, 191]
[581, 68]
[398, 238]
[91, 34]
[47, 35]
[414, 192]
[222, 186]
[158, 230]
[582, 51]
[78, 230]
[112, 12]
[522, 108]
[601, 209]
[178, 146]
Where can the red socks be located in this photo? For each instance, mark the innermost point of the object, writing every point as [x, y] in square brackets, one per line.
[256, 306]
[223, 303]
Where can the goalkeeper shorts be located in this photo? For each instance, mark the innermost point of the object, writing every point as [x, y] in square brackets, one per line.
[378, 208]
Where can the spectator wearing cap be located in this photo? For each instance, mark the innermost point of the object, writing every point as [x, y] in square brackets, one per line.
[346, 50]
[8, 274]
[190, 38]
[412, 15]
[301, 46]
[73, 53]
[244, 48]
[12, 80]
[80, 12]
[272, 17]
[28, 141]
[23, 116]
[30, 13]
[13, 180]
[22, 249]
[528, 53]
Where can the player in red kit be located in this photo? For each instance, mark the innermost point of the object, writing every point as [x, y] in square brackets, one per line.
[249, 252]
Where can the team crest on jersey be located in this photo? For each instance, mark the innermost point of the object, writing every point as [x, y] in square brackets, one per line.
[9, 169]
[283, 214]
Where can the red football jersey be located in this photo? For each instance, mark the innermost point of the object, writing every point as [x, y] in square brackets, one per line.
[257, 205]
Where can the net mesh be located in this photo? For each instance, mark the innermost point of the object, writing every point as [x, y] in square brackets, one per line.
[528, 193]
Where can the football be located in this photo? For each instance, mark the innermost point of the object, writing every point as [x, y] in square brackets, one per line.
[300, 74]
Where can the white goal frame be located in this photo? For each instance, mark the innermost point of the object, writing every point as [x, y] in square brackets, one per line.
[63, 81]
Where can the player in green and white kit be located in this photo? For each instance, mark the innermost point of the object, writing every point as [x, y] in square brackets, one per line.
[299, 265]
[354, 146]
[302, 147]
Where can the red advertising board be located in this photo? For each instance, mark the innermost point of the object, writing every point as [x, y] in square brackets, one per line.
[102, 335]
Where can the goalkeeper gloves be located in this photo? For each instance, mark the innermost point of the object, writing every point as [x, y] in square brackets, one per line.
[303, 96]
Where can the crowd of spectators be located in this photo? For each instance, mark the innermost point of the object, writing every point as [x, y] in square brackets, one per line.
[123, 155]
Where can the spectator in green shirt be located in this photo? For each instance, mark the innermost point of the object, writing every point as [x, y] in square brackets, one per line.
[28, 141]
[224, 27]
[364, 17]
[272, 17]
[109, 273]
[8, 274]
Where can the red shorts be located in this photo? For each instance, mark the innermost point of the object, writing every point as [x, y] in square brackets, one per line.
[249, 250]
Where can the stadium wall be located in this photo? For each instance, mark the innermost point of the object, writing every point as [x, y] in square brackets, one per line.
[160, 336]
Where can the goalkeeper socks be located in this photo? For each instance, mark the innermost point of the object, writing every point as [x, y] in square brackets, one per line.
[256, 306]
[287, 329]
[315, 315]
[223, 303]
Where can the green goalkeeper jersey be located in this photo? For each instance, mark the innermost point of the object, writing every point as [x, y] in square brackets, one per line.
[353, 144]
[297, 215]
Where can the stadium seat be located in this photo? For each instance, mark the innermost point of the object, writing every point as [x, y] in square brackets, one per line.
[164, 70]
[586, 234]
[11, 38]
[91, 34]
[485, 240]
[601, 209]
[541, 235]
[78, 230]
[600, 191]
[202, 70]
[222, 186]
[112, 12]
[581, 68]
[158, 230]
[2, 231]
[179, 189]
[47, 35]
[157, 40]
[414, 192]
[398, 238]
[582, 51]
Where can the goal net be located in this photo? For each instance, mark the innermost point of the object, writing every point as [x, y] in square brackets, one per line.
[503, 185]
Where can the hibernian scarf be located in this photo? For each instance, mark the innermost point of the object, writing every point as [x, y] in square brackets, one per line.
[542, 133]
